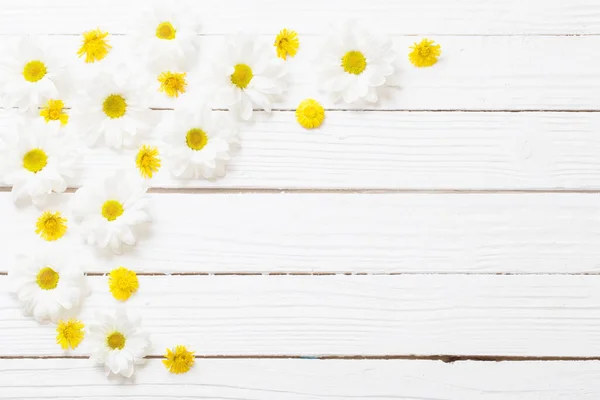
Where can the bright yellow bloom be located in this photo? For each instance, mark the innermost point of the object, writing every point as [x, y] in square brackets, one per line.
[179, 360]
[424, 54]
[122, 283]
[94, 46]
[310, 114]
[172, 83]
[69, 333]
[147, 161]
[51, 226]
[54, 111]
[287, 43]
[35, 160]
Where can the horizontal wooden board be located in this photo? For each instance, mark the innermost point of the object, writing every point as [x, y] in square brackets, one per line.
[481, 73]
[314, 16]
[510, 315]
[374, 233]
[374, 150]
[306, 380]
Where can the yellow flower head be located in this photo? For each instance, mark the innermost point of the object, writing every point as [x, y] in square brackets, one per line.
[69, 334]
[147, 161]
[172, 83]
[94, 46]
[310, 114]
[54, 111]
[287, 43]
[424, 54]
[179, 360]
[51, 226]
[122, 283]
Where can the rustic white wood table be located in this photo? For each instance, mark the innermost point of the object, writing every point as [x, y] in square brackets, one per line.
[444, 244]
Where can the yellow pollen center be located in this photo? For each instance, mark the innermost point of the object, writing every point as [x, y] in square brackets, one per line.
[47, 278]
[116, 341]
[35, 160]
[196, 139]
[242, 75]
[354, 62]
[114, 106]
[166, 31]
[34, 71]
[112, 210]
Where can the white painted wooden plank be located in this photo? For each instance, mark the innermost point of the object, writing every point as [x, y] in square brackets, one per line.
[307, 380]
[485, 72]
[511, 315]
[313, 16]
[373, 150]
[375, 233]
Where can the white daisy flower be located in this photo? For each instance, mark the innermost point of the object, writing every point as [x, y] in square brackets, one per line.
[49, 284]
[198, 142]
[30, 75]
[37, 160]
[110, 209]
[114, 109]
[117, 342]
[354, 65]
[167, 35]
[249, 74]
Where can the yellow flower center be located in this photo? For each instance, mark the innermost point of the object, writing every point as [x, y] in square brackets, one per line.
[69, 334]
[114, 106]
[147, 161]
[112, 210]
[51, 226]
[196, 139]
[242, 75]
[122, 283]
[172, 83]
[354, 62]
[286, 43]
[35, 160]
[116, 341]
[165, 31]
[310, 114]
[34, 71]
[47, 278]
[95, 46]
[53, 111]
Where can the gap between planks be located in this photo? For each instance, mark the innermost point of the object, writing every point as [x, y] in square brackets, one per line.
[334, 273]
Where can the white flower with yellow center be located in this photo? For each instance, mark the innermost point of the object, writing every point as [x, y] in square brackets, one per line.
[166, 36]
[50, 285]
[110, 210]
[37, 161]
[30, 75]
[354, 65]
[199, 142]
[248, 75]
[117, 342]
[114, 111]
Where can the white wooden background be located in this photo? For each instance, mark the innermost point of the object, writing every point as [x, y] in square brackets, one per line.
[444, 244]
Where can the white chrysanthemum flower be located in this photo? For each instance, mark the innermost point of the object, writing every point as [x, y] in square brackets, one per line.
[167, 35]
[117, 342]
[30, 75]
[49, 284]
[199, 142]
[114, 109]
[110, 209]
[354, 65]
[37, 159]
[249, 74]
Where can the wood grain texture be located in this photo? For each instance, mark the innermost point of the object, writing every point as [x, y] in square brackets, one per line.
[542, 315]
[508, 17]
[306, 380]
[364, 233]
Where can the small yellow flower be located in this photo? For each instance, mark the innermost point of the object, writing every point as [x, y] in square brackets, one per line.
[147, 161]
[172, 83]
[54, 111]
[51, 226]
[95, 46]
[122, 283]
[179, 360]
[69, 333]
[424, 54]
[310, 114]
[287, 43]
